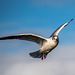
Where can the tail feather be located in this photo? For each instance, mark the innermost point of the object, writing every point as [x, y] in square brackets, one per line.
[36, 54]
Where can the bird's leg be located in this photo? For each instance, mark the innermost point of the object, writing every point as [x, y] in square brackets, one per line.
[42, 56]
[45, 56]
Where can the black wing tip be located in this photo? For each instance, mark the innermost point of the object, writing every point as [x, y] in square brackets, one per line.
[5, 38]
[2, 38]
[72, 19]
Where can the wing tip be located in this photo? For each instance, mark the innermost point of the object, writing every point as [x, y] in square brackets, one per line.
[68, 22]
[71, 20]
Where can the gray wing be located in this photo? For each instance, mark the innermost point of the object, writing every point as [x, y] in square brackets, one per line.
[60, 28]
[29, 37]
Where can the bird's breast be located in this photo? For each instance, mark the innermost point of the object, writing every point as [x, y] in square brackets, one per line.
[50, 44]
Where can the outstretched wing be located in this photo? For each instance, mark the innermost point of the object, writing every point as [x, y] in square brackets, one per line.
[29, 37]
[60, 28]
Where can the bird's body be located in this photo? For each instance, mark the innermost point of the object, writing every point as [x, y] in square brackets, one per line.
[47, 45]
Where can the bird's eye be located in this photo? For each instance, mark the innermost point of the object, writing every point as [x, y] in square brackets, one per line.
[55, 38]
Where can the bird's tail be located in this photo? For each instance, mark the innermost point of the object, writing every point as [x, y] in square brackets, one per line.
[36, 54]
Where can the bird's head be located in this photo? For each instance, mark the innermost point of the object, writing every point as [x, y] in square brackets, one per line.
[55, 38]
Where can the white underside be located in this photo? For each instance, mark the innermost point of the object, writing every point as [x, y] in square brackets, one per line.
[50, 44]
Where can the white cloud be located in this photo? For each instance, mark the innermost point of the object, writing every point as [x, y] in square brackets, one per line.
[42, 68]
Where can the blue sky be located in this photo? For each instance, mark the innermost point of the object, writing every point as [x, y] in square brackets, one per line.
[40, 17]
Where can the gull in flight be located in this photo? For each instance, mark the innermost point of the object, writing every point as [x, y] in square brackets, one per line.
[47, 45]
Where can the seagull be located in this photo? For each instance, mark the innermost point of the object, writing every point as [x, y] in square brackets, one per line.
[47, 44]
